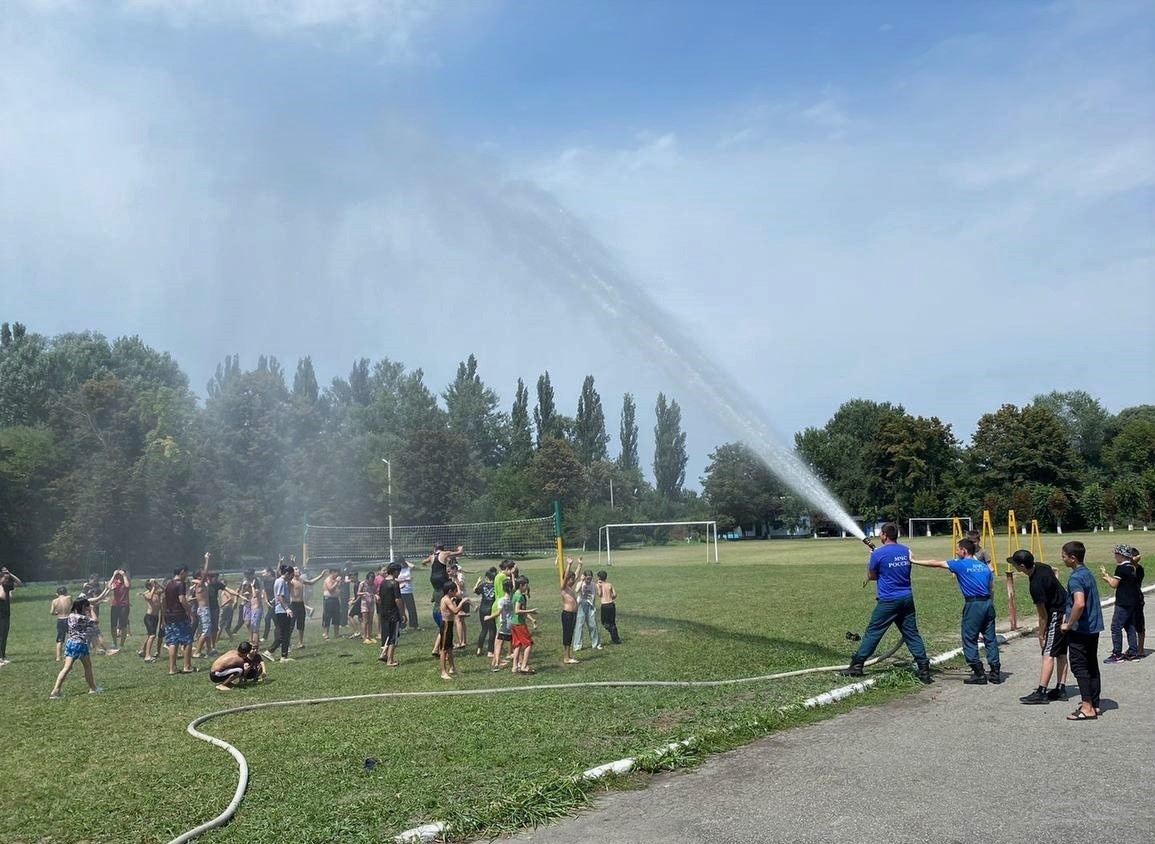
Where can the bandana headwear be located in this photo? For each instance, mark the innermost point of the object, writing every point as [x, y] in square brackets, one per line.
[1123, 551]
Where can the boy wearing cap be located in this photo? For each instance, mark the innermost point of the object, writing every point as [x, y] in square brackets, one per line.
[1128, 599]
[975, 580]
[1050, 599]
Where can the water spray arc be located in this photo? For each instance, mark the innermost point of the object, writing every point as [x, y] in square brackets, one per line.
[555, 244]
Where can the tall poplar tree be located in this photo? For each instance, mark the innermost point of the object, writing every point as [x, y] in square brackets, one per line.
[628, 459]
[545, 415]
[590, 435]
[520, 435]
[669, 449]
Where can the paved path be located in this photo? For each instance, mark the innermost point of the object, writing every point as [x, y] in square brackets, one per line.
[952, 764]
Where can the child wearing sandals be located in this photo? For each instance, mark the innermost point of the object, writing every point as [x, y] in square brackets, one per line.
[81, 624]
[520, 618]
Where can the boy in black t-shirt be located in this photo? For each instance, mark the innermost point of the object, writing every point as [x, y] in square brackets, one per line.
[1128, 602]
[1050, 599]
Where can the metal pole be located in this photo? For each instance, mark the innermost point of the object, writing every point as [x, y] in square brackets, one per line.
[389, 501]
[611, 493]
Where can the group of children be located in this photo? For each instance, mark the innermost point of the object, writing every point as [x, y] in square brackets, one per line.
[382, 603]
[507, 619]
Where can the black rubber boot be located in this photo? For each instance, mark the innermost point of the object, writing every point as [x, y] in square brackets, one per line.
[977, 678]
[995, 675]
[855, 669]
[922, 671]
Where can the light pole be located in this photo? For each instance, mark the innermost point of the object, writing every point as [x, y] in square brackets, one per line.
[389, 502]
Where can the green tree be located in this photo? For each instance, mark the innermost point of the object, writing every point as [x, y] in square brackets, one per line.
[908, 458]
[242, 474]
[545, 416]
[590, 437]
[473, 415]
[556, 474]
[1012, 448]
[841, 453]
[1133, 448]
[1092, 505]
[1087, 424]
[740, 491]
[669, 449]
[520, 435]
[628, 459]
[439, 477]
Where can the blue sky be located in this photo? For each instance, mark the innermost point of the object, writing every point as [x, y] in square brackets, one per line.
[947, 206]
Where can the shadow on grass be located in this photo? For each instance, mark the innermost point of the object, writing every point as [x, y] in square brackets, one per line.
[818, 653]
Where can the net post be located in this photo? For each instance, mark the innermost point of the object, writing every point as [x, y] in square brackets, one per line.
[1012, 546]
[560, 546]
[1036, 541]
[305, 544]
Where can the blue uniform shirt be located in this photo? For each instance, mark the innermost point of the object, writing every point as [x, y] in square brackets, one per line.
[1091, 621]
[974, 577]
[892, 563]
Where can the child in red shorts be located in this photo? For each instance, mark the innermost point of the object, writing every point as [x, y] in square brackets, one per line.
[521, 617]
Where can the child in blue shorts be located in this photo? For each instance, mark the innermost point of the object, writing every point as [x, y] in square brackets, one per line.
[81, 625]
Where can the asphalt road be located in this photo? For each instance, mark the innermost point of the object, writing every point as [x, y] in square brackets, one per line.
[952, 764]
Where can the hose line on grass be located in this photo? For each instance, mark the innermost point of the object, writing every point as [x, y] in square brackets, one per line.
[431, 830]
[243, 765]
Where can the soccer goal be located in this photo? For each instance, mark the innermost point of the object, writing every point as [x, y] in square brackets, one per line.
[680, 531]
[520, 538]
[927, 523]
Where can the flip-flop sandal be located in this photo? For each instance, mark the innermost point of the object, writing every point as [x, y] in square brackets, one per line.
[1080, 715]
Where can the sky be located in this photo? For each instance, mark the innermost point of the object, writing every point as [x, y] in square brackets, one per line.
[944, 206]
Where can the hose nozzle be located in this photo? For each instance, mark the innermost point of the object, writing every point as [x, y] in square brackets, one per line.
[868, 543]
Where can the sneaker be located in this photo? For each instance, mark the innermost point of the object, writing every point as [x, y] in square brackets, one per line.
[1036, 697]
[1113, 658]
[598, 647]
[287, 659]
[1058, 693]
[268, 655]
[99, 690]
[1129, 657]
[56, 696]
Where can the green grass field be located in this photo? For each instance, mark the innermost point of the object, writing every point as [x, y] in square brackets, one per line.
[119, 767]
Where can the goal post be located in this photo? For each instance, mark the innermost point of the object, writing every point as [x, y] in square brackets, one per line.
[926, 522]
[604, 535]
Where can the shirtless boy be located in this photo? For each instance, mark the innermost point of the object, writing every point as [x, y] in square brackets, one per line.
[61, 607]
[569, 602]
[608, 595]
[237, 666]
[331, 610]
[297, 602]
[152, 595]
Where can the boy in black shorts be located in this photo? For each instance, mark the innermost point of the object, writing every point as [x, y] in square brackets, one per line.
[1050, 599]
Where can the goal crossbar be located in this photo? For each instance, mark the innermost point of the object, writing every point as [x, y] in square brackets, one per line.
[711, 531]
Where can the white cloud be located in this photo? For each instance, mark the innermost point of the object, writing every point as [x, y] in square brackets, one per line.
[397, 28]
[931, 253]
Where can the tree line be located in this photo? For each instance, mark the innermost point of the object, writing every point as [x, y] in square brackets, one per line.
[1062, 459]
[108, 459]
